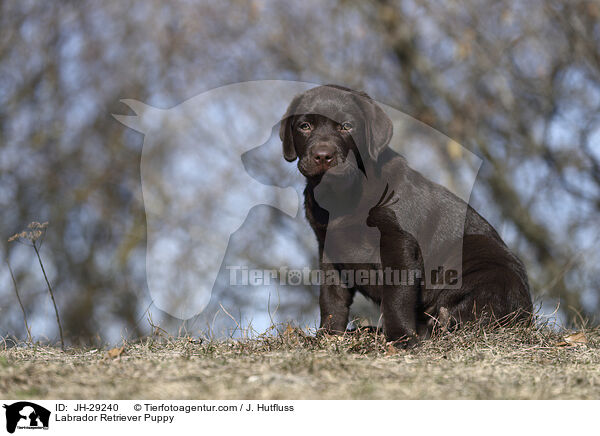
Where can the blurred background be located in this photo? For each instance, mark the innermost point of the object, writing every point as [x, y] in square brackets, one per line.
[516, 83]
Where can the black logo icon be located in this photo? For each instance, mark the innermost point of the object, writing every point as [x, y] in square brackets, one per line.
[26, 415]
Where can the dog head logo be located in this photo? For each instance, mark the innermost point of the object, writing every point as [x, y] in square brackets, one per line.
[198, 191]
[26, 415]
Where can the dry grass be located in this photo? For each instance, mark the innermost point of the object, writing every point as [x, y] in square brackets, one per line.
[474, 363]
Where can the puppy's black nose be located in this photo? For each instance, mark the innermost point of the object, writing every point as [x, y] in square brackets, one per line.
[323, 155]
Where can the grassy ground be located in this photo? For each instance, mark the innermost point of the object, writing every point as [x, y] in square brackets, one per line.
[517, 363]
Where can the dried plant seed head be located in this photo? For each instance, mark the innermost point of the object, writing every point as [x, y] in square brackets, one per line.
[35, 231]
[37, 225]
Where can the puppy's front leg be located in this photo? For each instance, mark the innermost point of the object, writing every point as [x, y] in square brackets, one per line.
[398, 306]
[334, 301]
[401, 298]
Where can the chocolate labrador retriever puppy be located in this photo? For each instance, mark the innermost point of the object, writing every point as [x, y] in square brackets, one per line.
[408, 243]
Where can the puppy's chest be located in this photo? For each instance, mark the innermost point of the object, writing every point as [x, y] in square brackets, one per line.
[351, 244]
[345, 239]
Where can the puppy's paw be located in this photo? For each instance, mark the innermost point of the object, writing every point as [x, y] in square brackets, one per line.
[324, 331]
[405, 342]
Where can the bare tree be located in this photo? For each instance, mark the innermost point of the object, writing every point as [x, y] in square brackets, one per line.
[517, 83]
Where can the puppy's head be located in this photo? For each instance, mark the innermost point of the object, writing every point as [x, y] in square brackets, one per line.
[331, 128]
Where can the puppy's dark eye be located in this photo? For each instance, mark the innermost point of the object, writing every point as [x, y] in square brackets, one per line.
[346, 126]
[304, 126]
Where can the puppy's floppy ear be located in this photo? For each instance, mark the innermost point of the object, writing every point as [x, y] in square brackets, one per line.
[378, 126]
[285, 131]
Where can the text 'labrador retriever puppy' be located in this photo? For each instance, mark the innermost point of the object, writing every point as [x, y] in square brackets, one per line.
[383, 229]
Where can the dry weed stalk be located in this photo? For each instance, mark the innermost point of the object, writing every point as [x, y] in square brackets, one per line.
[34, 232]
[20, 303]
